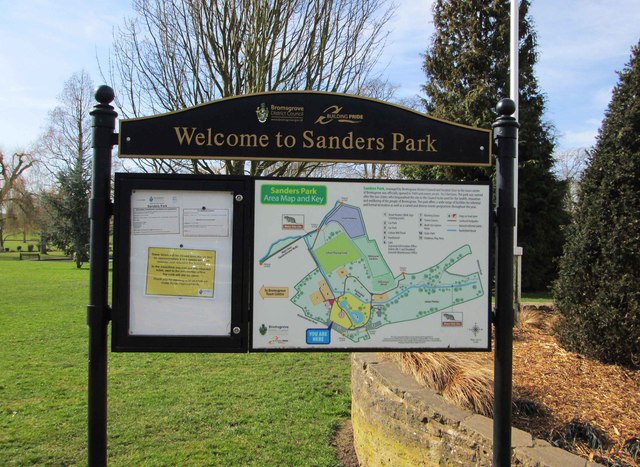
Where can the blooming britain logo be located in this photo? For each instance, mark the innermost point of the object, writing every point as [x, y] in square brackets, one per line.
[334, 113]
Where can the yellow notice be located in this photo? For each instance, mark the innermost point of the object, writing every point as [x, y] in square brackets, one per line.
[181, 273]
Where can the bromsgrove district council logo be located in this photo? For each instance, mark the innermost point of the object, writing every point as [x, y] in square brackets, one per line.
[262, 113]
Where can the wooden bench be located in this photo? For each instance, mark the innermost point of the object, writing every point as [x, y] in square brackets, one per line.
[30, 256]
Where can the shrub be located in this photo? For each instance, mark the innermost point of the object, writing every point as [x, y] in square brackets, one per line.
[578, 432]
[598, 292]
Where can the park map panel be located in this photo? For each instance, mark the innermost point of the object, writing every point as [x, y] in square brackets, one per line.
[368, 265]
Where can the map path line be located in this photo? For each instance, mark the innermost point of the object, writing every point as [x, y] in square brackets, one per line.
[270, 255]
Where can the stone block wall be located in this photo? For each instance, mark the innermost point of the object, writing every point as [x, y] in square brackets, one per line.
[397, 422]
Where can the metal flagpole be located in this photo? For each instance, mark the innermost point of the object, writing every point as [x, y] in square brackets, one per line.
[513, 59]
[514, 87]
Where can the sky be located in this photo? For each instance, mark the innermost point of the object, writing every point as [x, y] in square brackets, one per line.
[581, 46]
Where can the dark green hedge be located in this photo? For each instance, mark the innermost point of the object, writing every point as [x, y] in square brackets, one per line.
[598, 289]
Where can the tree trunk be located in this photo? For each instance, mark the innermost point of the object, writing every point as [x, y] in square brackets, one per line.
[77, 256]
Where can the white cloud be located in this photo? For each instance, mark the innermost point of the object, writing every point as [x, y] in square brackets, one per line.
[583, 32]
[602, 97]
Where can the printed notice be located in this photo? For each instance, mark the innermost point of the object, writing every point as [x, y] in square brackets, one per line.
[156, 220]
[206, 222]
[181, 260]
[181, 273]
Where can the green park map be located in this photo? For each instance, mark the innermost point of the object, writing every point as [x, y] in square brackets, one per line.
[353, 291]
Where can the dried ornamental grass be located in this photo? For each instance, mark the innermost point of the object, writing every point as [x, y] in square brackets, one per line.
[537, 317]
[471, 388]
[462, 382]
[433, 370]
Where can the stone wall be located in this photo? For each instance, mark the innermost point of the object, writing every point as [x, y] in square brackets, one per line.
[397, 422]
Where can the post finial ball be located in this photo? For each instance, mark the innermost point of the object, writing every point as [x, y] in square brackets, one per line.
[506, 107]
[104, 94]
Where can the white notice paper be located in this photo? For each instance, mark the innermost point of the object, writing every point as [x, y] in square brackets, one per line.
[180, 262]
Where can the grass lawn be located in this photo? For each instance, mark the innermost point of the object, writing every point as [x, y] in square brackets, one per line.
[14, 241]
[15, 246]
[537, 297]
[164, 409]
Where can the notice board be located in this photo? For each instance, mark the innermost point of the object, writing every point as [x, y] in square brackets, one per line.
[177, 241]
[369, 265]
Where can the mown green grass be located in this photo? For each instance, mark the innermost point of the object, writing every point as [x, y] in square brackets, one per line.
[537, 297]
[15, 246]
[164, 409]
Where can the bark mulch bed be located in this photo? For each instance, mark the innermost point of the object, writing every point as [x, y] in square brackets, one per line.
[580, 405]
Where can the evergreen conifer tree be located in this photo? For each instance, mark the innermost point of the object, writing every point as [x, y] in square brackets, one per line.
[598, 291]
[467, 68]
[68, 225]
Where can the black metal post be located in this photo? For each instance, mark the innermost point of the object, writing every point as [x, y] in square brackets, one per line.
[506, 139]
[104, 122]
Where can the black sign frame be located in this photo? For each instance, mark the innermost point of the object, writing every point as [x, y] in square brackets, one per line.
[122, 340]
[484, 326]
[99, 313]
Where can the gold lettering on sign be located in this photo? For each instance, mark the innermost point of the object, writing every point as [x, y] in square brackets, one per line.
[189, 136]
[401, 142]
[371, 143]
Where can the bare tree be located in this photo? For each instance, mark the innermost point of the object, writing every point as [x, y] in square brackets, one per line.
[66, 146]
[384, 91]
[66, 143]
[21, 209]
[569, 166]
[180, 53]
[11, 178]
